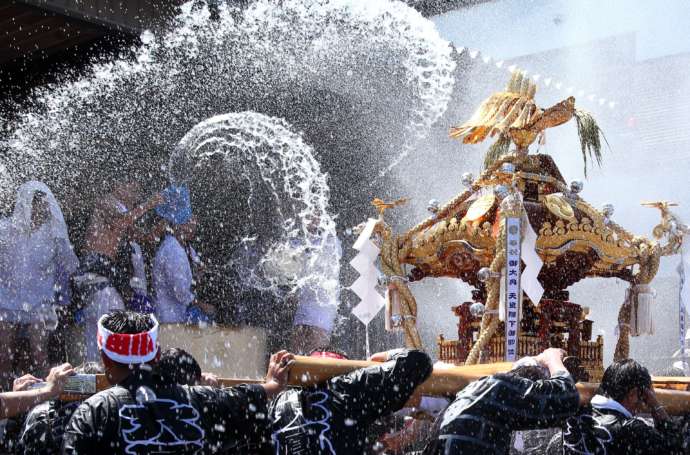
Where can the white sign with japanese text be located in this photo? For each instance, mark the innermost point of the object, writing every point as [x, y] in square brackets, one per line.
[512, 287]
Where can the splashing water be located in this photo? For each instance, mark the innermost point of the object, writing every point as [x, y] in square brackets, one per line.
[361, 81]
[348, 44]
[374, 73]
[282, 188]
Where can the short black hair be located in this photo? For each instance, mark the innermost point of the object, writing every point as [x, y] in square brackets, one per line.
[129, 322]
[531, 372]
[623, 376]
[177, 366]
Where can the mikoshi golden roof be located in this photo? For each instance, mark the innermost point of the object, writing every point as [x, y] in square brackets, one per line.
[574, 239]
[461, 237]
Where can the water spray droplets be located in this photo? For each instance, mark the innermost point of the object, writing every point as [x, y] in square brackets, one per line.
[547, 81]
[285, 172]
[147, 37]
[380, 51]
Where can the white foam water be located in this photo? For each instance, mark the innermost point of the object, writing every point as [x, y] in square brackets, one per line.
[382, 56]
[374, 75]
[286, 190]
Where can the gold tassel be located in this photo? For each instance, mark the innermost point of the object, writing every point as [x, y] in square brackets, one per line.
[590, 137]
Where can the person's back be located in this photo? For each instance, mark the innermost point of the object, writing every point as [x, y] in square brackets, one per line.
[486, 412]
[609, 426]
[145, 413]
[44, 427]
[174, 418]
[333, 418]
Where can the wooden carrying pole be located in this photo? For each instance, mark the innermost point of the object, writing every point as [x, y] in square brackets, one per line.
[444, 381]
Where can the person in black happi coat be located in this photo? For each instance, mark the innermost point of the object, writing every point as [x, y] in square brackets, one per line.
[145, 414]
[486, 412]
[334, 418]
[608, 426]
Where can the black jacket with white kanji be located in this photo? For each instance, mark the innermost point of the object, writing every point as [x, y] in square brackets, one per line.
[334, 418]
[606, 428]
[141, 416]
[486, 412]
[45, 426]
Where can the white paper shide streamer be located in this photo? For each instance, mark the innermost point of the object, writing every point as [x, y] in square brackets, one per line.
[533, 263]
[364, 287]
[641, 297]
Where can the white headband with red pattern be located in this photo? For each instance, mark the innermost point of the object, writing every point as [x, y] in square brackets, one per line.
[128, 348]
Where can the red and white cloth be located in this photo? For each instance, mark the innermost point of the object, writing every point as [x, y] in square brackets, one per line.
[129, 348]
[328, 355]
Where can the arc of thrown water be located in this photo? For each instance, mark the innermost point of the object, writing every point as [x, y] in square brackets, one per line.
[285, 164]
[354, 49]
[270, 144]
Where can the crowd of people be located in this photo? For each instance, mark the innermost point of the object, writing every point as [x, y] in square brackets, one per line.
[160, 400]
[136, 252]
[43, 277]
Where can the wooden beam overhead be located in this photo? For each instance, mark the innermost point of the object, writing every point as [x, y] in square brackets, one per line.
[28, 30]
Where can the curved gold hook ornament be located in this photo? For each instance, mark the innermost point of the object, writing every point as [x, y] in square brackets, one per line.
[670, 226]
[382, 206]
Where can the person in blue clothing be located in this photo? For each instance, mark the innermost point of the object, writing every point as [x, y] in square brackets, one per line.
[176, 304]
